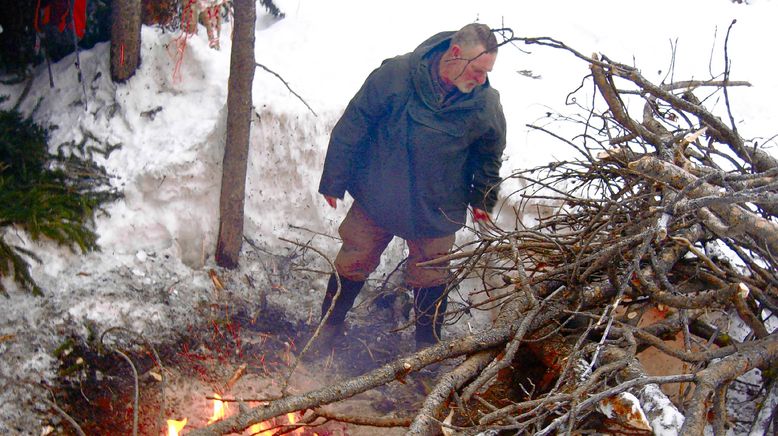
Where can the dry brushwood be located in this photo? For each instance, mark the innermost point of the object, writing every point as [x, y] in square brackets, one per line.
[667, 209]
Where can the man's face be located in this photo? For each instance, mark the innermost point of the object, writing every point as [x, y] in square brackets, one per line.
[471, 67]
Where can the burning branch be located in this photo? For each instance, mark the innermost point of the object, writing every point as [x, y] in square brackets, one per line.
[381, 376]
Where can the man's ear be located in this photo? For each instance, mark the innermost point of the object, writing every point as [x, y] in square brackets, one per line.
[456, 51]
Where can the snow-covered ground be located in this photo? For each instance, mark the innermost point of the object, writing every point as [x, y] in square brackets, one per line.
[158, 242]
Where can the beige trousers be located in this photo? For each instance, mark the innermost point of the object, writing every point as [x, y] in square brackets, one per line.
[364, 241]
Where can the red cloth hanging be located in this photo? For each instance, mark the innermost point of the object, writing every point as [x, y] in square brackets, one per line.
[58, 13]
[79, 17]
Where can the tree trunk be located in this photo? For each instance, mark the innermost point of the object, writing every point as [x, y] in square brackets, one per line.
[238, 128]
[125, 39]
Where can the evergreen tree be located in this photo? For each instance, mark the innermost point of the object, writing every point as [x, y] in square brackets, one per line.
[42, 195]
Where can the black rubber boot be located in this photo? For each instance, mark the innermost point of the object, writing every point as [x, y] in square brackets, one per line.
[428, 325]
[333, 330]
[348, 294]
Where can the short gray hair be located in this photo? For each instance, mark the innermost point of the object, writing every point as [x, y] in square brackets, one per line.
[476, 34]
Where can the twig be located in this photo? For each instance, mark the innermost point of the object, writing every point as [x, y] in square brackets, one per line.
[767, 411]
[726, 77]
[235, 377]
[513, 345]
[136, 401]
[287, 86]
[590, 401]
[157, 361]
[367, 347]
[324, 319]
[64, 414]
[294, 227]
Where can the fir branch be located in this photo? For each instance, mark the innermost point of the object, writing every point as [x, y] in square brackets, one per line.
[51, 197]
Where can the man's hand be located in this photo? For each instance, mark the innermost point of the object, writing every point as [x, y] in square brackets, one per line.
[481, 215]
[332, 201]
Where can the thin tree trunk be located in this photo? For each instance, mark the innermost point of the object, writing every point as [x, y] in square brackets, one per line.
[239, 106]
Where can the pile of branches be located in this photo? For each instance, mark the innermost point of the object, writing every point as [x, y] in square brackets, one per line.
[670, 209]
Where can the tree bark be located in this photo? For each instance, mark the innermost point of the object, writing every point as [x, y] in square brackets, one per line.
[239, 104]
[125, 39]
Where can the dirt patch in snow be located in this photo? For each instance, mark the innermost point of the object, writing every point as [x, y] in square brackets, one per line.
[240, 353]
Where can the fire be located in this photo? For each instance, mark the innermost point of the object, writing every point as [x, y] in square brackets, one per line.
[219, 409]
[292, 417]
[264, 428]
[259, 429]
[173, 426]
[219, 412]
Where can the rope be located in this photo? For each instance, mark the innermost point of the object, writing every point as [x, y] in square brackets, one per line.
[186, 22]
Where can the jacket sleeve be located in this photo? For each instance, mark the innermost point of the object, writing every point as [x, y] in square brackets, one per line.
[486, 159]
[352, 132]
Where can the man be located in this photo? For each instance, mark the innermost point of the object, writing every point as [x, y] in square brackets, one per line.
[420, 142]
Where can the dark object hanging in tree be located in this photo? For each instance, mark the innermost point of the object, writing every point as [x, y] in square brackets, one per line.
[272, 8]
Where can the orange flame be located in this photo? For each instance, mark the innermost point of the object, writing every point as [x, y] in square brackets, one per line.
[259, 429]
[219, 409]
[173, 426]
[220, 412]
[292, 417]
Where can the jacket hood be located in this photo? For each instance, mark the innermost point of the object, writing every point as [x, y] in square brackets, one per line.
[438, 41]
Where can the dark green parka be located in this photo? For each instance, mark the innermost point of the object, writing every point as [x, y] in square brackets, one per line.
[413, 165]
